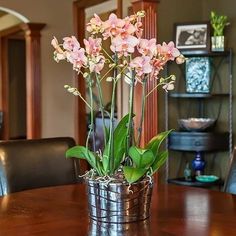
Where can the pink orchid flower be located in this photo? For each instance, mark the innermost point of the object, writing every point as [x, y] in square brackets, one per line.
[128, 29]
[58, 53]
[96, 64]
[71, 43]
[95, 25]
[124, 46]
[113, 26]
[139, 29]
[77, 58]
[168, 50]
[93, 45]
[141, 65]
[147, 47]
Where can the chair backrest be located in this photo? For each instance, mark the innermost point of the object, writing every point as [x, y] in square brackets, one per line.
[28, 164]
[230, 180]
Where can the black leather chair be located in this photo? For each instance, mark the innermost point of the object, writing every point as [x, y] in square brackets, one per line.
[28, 164]
[230, 180]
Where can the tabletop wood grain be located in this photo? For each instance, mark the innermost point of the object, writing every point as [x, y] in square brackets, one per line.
[62, 210]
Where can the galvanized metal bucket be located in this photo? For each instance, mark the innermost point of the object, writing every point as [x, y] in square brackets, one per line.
[118, 202]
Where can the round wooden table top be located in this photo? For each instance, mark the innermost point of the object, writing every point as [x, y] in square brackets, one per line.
[62, 210]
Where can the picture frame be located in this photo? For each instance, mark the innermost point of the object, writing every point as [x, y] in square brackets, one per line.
[198, 74]
[193, 36]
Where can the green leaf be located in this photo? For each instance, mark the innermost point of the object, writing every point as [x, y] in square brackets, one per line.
[143, 158]
[156, 141]
[105, 160]
[159, 161]
[133, 174]
[120, 141]
[82, 152]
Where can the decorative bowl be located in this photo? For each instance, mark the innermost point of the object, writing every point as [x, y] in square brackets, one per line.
[196, 124]
[206, 178]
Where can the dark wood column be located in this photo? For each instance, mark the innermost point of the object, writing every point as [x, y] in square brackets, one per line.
[80, 109]
[33, 78]
[150, 125]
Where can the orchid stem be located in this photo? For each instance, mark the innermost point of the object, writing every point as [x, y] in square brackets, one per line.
[130, 120]
[111, 131]
[159, 84]
[143, 110]
[91, 126]
[101, 104]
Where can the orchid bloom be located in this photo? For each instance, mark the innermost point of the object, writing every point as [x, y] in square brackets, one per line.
[93, 46]
[71, 43]
[141, 65]
[77, 58]
[96, 64]
[58, 53]
[147, 47]
[128, 29]
[95, 25]
[124, 46]
[113, 26]
[168, 51]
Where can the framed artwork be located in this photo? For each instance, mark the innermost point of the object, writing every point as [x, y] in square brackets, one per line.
[198, 75]
[192, 36]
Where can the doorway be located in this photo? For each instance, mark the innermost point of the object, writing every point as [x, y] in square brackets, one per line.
[17, 88]
[20, 80]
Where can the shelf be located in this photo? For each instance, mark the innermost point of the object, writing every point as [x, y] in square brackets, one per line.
[197, 95]
[198, 141]
[206, 54]
[194, 182]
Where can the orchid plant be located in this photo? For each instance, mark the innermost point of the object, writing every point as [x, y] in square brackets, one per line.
[136, 60]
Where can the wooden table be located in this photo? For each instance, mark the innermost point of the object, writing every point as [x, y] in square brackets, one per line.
[62, 210]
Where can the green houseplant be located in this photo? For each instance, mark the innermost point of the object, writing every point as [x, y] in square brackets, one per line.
[218, 23]
[122, 164]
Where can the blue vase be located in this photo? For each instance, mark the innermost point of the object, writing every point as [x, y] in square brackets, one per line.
[198, 164]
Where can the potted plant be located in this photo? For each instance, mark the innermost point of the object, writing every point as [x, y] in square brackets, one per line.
[218, 23]
[119, 183]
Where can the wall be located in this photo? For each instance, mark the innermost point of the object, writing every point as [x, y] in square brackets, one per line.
[57, 105]
[8, 21]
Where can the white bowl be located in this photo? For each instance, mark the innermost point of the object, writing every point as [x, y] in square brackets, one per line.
[196, 124]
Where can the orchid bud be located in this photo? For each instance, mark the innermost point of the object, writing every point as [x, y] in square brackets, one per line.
[76, 93]
[141, 13]
[109, 79]
[162, 80]
[118, 76]
[71, 90]
[180, 59]
[85, 75]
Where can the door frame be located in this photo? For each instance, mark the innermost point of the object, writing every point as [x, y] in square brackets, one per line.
[31, 33]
